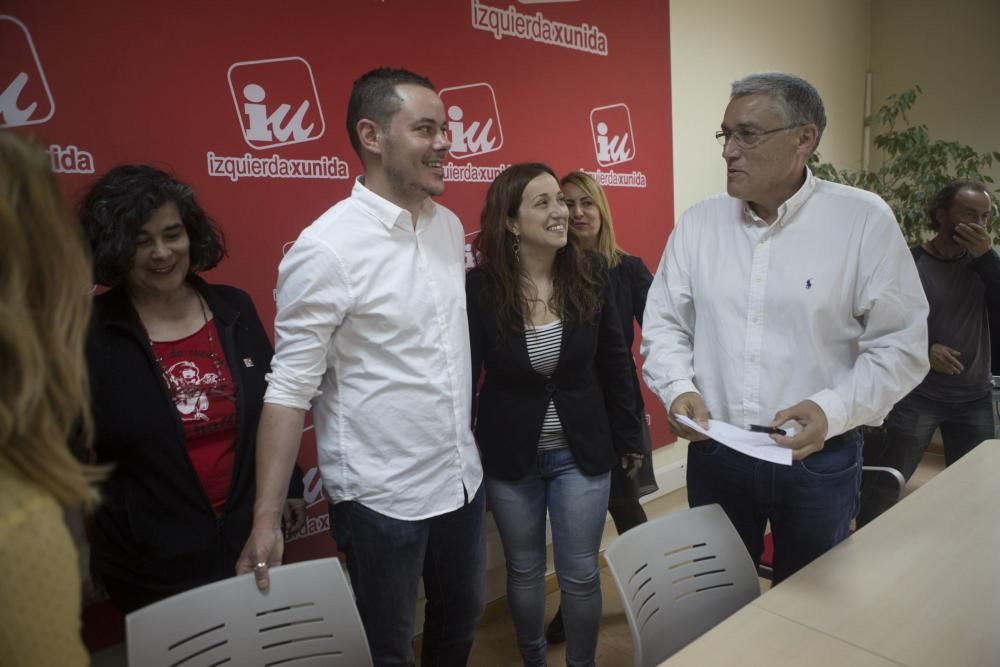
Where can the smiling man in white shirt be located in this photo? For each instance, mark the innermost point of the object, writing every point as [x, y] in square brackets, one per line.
[809, 310]
[371, 333]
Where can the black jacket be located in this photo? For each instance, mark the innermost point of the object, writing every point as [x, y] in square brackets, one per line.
[155, 527]
[630, 282]
[591, 388]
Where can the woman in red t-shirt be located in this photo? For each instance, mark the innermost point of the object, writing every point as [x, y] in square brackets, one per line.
[177, 370]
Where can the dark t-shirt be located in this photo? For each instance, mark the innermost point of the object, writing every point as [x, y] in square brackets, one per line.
[956, 290]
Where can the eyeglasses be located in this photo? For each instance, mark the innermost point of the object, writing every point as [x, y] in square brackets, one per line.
[748, 138]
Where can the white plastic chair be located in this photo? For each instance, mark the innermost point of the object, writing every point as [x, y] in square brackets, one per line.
[307, 618]
[678, 576]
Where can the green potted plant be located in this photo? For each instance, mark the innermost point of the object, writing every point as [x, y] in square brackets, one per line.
[913, 167]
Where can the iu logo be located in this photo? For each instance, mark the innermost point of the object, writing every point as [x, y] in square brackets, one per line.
[25, 98]
[276, 102]
[473, 120]
[614, 141]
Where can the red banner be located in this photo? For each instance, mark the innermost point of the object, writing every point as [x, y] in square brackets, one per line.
[246, 102]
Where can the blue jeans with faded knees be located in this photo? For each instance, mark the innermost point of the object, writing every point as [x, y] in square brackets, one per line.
[577, 504]
[386, 558]
[810, 503]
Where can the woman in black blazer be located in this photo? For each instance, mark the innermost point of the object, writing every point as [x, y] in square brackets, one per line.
[556, 410]
[590, 222]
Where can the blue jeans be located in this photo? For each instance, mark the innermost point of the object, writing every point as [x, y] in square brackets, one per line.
[577, 504]
[810, 503]
[386, 558]
[908, 431]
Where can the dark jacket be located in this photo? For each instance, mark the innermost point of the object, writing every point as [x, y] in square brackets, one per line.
[591, 389]
[630, 282]
[155, 528]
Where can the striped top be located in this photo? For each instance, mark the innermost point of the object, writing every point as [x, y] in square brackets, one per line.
[543, 350]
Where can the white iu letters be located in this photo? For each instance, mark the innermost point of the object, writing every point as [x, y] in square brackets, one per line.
[9, 111]
[611, 149]
[264, 127]
[469, 139]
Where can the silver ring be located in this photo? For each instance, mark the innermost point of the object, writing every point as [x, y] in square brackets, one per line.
[260, 566]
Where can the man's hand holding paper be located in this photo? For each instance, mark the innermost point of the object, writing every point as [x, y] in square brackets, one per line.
[757, 445]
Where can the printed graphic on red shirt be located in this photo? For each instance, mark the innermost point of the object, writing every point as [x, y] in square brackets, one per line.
[190, 387]
[201, 387]
[199, 382]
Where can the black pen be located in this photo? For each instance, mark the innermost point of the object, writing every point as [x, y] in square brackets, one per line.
[757, 428]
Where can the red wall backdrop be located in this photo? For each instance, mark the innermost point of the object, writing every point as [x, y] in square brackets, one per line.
[246, 101]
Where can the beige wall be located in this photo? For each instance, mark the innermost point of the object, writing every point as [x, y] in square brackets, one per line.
[714, 42]
[952, 50]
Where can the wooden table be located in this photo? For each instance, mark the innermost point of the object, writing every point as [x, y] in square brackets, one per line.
[919, 586]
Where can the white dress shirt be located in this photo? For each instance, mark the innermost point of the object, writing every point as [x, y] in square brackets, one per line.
[371, 331]
[823, 304]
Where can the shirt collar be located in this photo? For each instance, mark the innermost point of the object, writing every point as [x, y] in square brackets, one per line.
[787, 211]
[385, 211]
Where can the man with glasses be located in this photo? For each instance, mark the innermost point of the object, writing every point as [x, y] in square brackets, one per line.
[810, 316]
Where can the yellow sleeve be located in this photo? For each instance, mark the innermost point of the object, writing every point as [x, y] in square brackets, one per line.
[39, 582]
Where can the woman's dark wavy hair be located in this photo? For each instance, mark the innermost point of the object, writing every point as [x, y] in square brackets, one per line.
[122, 201]
[577, 283]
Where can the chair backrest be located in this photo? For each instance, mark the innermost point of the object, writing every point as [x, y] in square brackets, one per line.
[678, 576]
[307, 618]
[896, 476]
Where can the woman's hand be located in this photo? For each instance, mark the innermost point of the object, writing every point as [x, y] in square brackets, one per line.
[631, 463]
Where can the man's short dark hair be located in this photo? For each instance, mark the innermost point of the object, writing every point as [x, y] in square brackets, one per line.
[374, 97]
[798, 101]
[945, 196]
[122, 201]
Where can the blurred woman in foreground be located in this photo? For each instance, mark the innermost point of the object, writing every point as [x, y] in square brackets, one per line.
[44, 307]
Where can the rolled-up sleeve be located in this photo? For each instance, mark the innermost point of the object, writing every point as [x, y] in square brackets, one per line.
[314, 294]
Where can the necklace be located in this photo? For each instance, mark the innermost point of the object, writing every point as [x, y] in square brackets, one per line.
[211, 340]
[215, 383]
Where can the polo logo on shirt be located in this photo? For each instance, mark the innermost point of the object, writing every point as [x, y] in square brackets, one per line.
[809, 283]
[276, 102]
[473, 120]
[25, 97]
[614, 140]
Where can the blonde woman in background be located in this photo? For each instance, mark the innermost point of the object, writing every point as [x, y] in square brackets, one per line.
[44, 308]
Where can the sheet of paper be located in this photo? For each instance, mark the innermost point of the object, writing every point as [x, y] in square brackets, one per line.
[757, 445]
